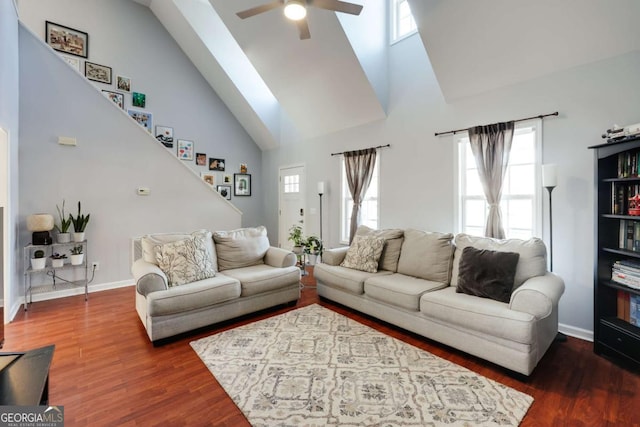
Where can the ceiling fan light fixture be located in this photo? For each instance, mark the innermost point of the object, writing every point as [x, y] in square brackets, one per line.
[295, 10]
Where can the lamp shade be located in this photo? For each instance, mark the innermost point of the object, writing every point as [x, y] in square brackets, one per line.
[321, 187]
[40, 222]
[295, 10]
[549, 175]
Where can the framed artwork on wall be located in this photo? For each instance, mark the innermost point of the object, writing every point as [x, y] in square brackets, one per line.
[185, 149]
[144, 118]
[225, 191]
[116, 97]
[216, 164]
[72, 61]
[97, 73]
[241, 184]
[227, 179]
[66, 39]
[208, 178]
[201, 159]
[164, 134]
[138, 99]
[123, 83]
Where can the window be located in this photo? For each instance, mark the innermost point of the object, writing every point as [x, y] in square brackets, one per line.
[369, 209]
[521, 202]
[292, 183]
[402, 23]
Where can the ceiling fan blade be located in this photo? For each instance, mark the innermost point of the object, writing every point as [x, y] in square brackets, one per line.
[337, 5]
[303, 29]
[259, 9]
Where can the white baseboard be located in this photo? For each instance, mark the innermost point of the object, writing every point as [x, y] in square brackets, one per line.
[579, 333]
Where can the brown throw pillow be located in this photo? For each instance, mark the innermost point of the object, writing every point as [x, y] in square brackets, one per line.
[487, 274]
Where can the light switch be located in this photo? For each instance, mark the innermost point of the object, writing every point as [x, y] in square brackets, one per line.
[65, 140]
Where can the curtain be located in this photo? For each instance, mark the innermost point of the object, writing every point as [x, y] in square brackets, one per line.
[491, 145]
[359, 167]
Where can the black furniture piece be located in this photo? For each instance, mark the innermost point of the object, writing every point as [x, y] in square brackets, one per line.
[617, 230]
[24, 377]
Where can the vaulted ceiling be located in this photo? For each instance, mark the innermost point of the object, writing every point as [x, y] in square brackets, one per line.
[272, 80]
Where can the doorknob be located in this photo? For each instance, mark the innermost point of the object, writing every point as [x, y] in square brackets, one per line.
[301, 211]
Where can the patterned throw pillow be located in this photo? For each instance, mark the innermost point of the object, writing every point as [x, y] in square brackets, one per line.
[364, 253]
[185, 261]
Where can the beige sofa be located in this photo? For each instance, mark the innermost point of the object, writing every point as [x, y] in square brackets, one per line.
[417, 285]
[187, 281]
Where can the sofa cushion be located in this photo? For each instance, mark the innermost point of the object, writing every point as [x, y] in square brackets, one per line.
[427, 255]
[239, 248]
[479, 314]
[150, 244]
[193, 296]
[532, 261]
[487, 274]
[185, 261]
[261, 278]
[343, 278]
[364, 253]
[400, 290]
[392, 243]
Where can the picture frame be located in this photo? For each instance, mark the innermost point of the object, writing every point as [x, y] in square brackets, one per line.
[97, 73]
[201, 159]
[227, 179]
[72, 61]
[164, 134]
[123, 83]
[225, 191]
[241, 184]
[138, 99]
[243, 168]
[185, 149]
[216, 164]
[208, 178]
[144, 118]
[116, 97]
[66, 39]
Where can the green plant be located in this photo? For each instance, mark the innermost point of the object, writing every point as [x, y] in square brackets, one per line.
[295, 235]
[38, 254]
[59, 256]
[65, 222]
[76, 250]
[313, 245]
[80, 221]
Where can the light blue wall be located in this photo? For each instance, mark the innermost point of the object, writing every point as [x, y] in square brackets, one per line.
[417, 172]
[9, 121]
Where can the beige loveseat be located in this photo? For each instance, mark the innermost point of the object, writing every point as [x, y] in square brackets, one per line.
[187, 281]
[419, 283]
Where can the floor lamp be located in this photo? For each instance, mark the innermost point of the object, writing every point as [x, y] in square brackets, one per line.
[550, 181]
[320, 193]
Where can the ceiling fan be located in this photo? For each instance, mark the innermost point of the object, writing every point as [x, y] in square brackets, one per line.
[296, 10]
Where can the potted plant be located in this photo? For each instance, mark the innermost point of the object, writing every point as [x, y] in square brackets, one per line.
[57, 260]
[63, 228]
[313, 248]
[80, 221]
[38, 262]
[295, 236]
[76, 255]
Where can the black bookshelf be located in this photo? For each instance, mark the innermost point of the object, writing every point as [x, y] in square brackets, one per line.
[617, 178]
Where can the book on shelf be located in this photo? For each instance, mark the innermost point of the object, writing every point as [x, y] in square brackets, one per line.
[624, 305]
[628, 164]
[629, 235]
[634, 310]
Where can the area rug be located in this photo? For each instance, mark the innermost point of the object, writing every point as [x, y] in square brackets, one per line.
[316, 367]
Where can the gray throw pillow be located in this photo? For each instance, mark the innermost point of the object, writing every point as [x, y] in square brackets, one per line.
[487, 274]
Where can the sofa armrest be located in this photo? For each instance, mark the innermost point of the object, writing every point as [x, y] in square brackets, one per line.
[334, 256]
[149, 277]
[538, 295]
[278, 257]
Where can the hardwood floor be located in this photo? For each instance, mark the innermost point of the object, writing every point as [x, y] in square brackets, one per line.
[105, 372]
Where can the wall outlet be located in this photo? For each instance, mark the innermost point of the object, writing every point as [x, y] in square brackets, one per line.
[95, 265]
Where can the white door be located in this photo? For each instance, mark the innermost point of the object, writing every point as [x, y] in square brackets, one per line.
[292, 203]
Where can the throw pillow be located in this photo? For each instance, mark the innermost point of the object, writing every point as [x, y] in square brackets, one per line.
[185, 261]
[150, 242]
[393, 238]
[487, 274]
[239, 248]
[426, 255]
[364, 253]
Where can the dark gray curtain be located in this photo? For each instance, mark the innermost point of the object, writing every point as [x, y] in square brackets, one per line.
[491, 145]
[359, 167]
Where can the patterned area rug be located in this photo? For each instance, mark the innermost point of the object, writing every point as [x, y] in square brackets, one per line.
[315, 367]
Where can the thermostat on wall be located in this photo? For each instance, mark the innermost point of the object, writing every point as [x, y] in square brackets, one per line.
[144, 191]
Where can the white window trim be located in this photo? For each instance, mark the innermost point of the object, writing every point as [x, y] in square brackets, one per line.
[540, 193]
[344, 187]
[393, 25]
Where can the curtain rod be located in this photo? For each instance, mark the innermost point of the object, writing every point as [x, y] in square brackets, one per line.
[379, 146]
[541, 116]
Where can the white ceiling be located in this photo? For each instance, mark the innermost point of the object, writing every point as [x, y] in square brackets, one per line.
[338, 79]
